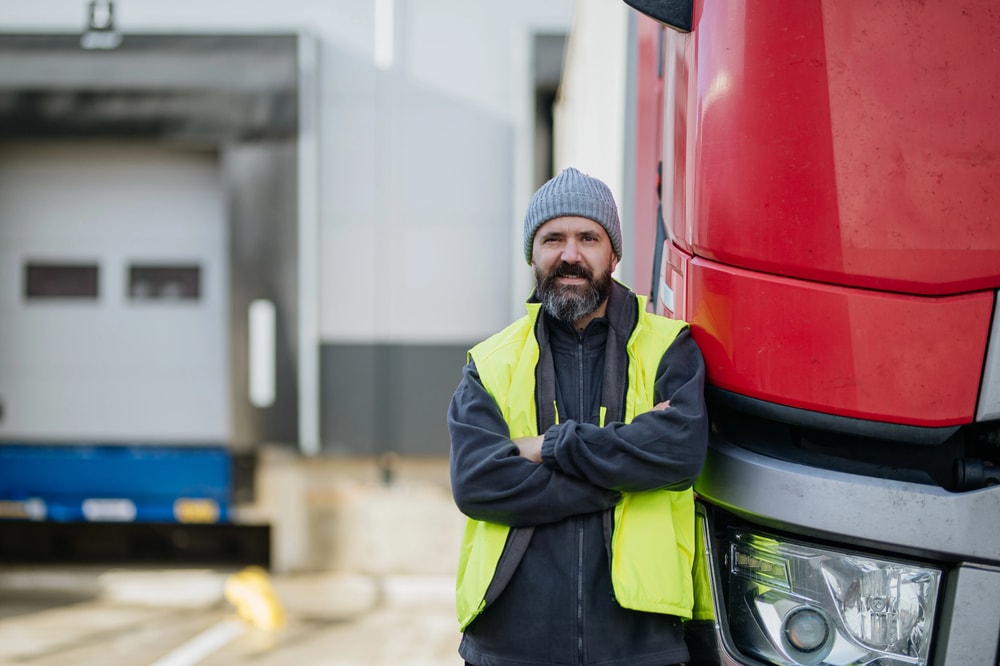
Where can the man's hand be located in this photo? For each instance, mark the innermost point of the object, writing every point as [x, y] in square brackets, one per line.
[530, 448]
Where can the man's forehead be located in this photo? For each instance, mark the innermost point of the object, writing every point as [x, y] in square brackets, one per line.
[570, 225]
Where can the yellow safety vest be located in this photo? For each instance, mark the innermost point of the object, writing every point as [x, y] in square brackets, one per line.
[653, 541]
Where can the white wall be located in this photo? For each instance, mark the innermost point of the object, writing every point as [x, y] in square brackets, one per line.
[590, 112]
[417, 163]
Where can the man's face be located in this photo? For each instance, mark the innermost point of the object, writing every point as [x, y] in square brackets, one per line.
[573, 261]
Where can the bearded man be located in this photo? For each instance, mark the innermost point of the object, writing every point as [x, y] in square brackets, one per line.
[576, 435]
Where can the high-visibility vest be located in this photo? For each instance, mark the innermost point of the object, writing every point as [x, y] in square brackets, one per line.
[652, 543]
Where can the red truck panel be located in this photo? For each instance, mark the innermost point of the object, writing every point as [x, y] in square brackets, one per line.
[851, 352]
[648, 112]
[840, 141]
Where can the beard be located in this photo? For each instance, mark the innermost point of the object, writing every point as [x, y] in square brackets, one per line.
[569, 302]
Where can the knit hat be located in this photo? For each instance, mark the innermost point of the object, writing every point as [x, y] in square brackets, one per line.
[572, 193]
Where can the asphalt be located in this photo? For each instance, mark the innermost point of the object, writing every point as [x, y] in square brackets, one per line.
[186, 617]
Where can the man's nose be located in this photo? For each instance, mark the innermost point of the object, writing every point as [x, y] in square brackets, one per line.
[571, 253]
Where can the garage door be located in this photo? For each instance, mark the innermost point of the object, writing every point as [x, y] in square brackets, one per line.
[113, 294]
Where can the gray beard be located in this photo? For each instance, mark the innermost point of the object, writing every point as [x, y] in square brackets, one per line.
[570, 303]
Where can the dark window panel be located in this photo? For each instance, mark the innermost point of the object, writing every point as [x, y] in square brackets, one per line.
[164, 283]
[60, 280]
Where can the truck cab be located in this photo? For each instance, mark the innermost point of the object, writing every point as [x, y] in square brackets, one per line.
[821, 181]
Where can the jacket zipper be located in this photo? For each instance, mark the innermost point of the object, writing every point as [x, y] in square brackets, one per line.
[580, 653]
[582, 415]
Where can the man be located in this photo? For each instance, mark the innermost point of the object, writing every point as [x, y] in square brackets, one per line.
[576, 433]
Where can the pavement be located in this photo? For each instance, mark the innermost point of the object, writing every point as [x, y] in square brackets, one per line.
[186, 617]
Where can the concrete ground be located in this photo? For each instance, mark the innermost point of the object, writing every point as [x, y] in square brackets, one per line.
[362, 575]
[129, 617]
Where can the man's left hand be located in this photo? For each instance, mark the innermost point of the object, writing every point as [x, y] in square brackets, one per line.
[530, 448]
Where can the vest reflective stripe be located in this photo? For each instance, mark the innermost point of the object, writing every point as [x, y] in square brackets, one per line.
[652, 544]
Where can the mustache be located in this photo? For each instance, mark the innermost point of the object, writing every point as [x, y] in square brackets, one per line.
[572, 270]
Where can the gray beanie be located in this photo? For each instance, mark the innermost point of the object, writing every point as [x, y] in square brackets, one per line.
[572, 193]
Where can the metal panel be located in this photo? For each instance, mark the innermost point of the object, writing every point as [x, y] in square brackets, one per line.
[415, 382]
[853, 509]
[191, 87]
[989, 392]
[970, 626]
[260, 182]
[116, 483]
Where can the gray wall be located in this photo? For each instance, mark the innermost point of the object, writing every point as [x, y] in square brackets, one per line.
[388, 397]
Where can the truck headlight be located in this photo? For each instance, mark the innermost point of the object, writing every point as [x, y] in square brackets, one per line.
[792, 603]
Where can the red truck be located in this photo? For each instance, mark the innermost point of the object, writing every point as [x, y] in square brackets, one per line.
[818, 194]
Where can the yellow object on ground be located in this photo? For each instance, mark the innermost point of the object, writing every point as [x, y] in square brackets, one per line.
[250, 591]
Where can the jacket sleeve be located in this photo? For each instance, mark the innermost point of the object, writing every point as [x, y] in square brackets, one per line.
[658, 449]
[490, 482]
